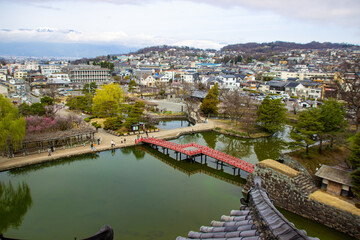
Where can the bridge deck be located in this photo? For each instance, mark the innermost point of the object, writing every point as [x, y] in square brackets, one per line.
[193, 149]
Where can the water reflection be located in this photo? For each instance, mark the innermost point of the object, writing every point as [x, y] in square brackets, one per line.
[251, 150]
[235, 146]
[211, 141]
[14, 203]
[270, 147]
[136, 151]
[192, 168]
[64, 161]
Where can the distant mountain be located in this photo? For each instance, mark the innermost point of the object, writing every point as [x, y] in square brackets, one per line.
[164, 48]
[283, 46]
[78, 50]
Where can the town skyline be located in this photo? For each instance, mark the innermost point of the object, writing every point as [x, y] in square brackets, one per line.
[200, 24]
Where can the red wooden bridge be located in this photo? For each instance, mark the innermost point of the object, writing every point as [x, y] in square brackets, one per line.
[193, 150]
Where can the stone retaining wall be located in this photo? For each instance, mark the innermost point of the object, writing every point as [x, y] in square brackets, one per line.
[287, 193]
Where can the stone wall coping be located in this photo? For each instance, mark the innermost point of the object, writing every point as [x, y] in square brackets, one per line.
[279, 167]
[334, 201]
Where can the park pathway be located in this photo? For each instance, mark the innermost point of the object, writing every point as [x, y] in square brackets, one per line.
[11, 163]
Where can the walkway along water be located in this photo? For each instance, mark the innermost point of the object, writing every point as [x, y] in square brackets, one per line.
[11, 163]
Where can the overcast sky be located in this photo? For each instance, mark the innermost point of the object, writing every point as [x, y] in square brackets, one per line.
[197, 23]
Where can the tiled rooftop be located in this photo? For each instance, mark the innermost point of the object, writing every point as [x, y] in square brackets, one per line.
[257, 219]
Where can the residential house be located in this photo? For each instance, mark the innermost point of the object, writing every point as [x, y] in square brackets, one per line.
[140, 72]
[312, 89]
[276, 87]
[228, 82]
[147, 80]
[292, 87]
[199, 95]
[162, 78]
[335, 180]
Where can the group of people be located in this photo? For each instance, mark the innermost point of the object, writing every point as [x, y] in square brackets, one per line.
[122, 140]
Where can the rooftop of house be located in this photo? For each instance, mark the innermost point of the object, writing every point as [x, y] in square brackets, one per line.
[274, 83]
[199, 94]
[334, 174]
[292, 84]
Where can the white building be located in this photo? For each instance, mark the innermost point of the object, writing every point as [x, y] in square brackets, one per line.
[59, 76]
[48, 69]
[82, 74]
[147, 80]
[228, 82]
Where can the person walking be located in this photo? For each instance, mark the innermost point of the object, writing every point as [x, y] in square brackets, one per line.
[98, 141]
[92, 147]
[49, 151]
[112, 143]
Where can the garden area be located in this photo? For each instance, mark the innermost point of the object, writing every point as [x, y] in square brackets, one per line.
[36, 128]
[111, 110]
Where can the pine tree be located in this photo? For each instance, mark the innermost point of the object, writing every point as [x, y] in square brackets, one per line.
[332, 117]
[135, 114]
[355, 162]
[307, 128]
[271, 114]
[355, 180]
[210, 103]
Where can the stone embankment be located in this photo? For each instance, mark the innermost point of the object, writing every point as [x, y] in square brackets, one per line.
[291, 192]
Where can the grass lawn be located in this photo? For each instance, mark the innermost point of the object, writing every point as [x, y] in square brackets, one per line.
[227, 126]
[330, 157]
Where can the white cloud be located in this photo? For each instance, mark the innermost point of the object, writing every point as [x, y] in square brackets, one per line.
[44, 34]
[203, 44]
[344, 12]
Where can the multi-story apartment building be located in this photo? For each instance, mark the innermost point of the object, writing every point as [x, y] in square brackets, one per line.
[19, 74]
[48, 69]
[82, 74]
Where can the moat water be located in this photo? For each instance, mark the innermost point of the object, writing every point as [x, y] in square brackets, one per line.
[172, 124]
[141, 193]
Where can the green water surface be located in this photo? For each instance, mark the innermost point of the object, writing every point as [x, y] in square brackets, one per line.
[141, 193]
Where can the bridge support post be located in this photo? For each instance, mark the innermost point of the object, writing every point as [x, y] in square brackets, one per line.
[167, 151]
[176, 154]
[205, 158]
[201, 158]
[180, 156]
[234, 171]
[163, 150]
[222, 165]
[239, 171]
[217, 164]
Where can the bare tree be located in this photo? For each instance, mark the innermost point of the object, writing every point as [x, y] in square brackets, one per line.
[191, 103]
[235, 105]
[349, 91]
[51, 91]
[295, 107]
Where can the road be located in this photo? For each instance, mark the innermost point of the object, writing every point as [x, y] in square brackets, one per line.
[174, 105]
